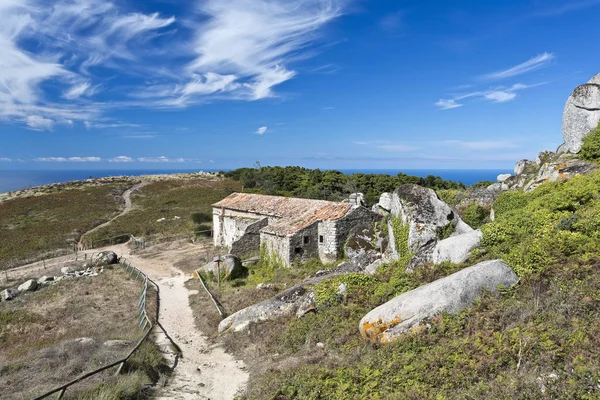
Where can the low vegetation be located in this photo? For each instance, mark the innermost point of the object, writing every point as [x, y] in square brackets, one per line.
[537, 340]
[32, 226]
[590, 150]
[57, 333]
[170, 207]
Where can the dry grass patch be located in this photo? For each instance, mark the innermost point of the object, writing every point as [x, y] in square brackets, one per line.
[33, 226]
[168, 199]
[55, 334]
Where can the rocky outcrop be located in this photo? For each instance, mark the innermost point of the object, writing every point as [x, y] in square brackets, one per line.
[372, 268]
[228, 267]
[450, 294]
[502, 177]
[361, 239]
[384, 206]
[522, 166]
[428, 219]
[581, 114]
[9, 294]
[358, 199]
[456, 249]
[104, 258]
[561, 168]
[28, 286]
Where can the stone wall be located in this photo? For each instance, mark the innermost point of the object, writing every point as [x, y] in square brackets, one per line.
[249, 243]
[230, 225]
[328, 248]
[276, 246]
[304, 244]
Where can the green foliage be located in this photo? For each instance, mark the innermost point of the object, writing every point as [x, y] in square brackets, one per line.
[400, 231]
[327, 185]
[444, 232]
[482, 184]
[555, 223]
[590, 149]
[474, 215]
[357, 284]
[448, 196]
[201, 217]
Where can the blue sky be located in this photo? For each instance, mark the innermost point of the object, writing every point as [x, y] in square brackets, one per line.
[95, 84]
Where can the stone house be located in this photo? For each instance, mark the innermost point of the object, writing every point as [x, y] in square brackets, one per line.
[288, 228]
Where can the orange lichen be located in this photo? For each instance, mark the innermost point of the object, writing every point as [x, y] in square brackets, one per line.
[376, 331]
[563, 177]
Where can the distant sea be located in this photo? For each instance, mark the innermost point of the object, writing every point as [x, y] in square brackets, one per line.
[20, 179]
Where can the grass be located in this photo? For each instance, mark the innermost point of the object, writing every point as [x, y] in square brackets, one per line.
[41, 333]
[33, 226]
[169, 199]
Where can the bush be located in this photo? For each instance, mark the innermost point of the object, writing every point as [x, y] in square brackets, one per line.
[590, 150]
[474, 214]
[201, 217]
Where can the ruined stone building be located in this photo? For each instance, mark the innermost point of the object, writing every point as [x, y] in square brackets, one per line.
[288, 228]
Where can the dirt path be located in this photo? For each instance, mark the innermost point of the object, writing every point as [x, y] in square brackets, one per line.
[128, 206]
[205, 371]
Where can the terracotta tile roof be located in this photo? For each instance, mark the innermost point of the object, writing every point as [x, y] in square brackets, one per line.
[295, 214]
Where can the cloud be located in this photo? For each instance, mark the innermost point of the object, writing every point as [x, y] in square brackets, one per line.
[39, 123]
[161, 159]
[60, 41]
[328, 108]
[242, 48]
[139, 136]
[93, 125]
[537, 62]
[70, 159]
[79, 90]
[499, 94]
[261, 130]
[121, 159]
[5, 159]
[480, 145]
[447, 104]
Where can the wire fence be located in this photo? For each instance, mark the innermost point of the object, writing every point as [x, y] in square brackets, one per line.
[145, 324]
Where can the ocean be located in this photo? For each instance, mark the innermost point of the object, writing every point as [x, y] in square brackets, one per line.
[21, 179]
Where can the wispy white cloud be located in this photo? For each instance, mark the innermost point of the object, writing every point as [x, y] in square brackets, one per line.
[161, 159]
[39, 123]
[79, 90]
[5, 159]
[328, 108]
[104, 125]
[243, 48]
[139, 136]
[447, 104]
[500, 94]
[120, 159]
[261, 130]
[68, 159]
[537, 62]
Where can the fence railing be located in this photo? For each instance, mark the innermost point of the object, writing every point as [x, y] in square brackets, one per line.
[144, 322]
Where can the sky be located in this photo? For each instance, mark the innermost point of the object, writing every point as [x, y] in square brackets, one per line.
[348, 84]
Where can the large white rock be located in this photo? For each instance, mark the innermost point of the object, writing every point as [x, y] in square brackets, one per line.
[581, 114]
[425, 215]
[502, 177]
[456, 249]
[385, 201]
[521, 165]
[228, 267]
[28, 286]
[450, 294]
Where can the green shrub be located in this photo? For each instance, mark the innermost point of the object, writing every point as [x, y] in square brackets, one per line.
[201, 217]
[474, 214]
[590, 149]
